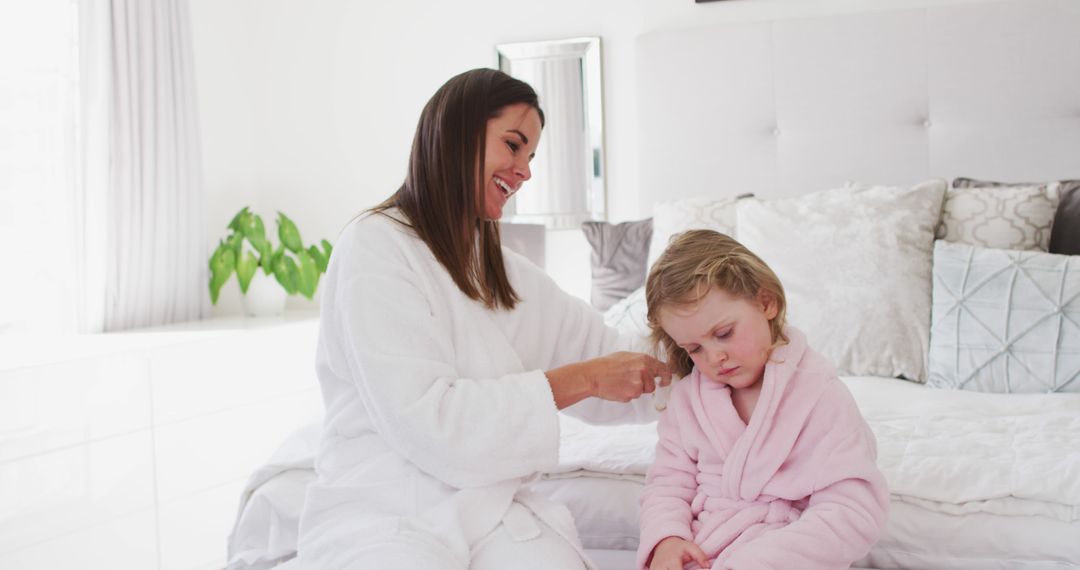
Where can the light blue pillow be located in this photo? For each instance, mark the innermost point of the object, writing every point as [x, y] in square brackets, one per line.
[1004, 321]
[630, 315]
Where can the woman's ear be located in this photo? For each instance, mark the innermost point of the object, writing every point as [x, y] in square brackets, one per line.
[769, 304]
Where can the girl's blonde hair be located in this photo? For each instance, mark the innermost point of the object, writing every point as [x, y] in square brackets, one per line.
[694, 263]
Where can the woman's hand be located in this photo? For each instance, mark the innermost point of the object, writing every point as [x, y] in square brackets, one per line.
[673, 552]
[619, 377]
[625, 376]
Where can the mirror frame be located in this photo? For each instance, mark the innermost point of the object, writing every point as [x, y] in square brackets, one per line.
[587, 51]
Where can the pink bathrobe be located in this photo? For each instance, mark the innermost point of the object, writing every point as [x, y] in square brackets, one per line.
[797, 488]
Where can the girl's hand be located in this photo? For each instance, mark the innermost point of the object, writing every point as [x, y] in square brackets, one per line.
[673, 552]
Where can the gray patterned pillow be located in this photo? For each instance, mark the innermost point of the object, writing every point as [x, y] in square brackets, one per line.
[1065, 235]
[1004, 321]
[1010, 215]
[619, 254]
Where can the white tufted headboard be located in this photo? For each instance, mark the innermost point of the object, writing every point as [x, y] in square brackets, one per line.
[989, 90]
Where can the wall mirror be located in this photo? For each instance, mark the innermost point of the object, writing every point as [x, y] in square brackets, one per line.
[567, 186]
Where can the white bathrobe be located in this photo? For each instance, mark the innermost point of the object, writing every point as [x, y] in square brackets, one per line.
[438, 412]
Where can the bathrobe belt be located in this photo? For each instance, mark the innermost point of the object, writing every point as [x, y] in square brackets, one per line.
[762, 510]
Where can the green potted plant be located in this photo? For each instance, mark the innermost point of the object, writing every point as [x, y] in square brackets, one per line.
[246, 250]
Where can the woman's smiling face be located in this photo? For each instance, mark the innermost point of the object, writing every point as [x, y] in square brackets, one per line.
[510, 145]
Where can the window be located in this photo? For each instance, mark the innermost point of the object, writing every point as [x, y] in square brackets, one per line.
[38, 119]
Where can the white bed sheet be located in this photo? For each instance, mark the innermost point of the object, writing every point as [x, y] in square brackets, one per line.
[978, 481]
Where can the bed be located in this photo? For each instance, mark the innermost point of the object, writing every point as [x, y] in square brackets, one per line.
[978, 480]
[968, 489]
[955, 323]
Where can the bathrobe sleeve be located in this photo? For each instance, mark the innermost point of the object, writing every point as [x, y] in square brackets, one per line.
[848, 506]
[671, 482]
[388, 323]
[556, 328]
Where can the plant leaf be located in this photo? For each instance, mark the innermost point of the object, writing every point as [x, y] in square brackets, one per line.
[266, 257]
[328, 249]
[283, 278]
[289, 234]
[308, 274]
[320, 259]
[256, 229]
[235, 241]
[294, 273]
[276, 256]
[245, 270]
[222, 263]
[258, 242]
[237, 223]
[286, 272]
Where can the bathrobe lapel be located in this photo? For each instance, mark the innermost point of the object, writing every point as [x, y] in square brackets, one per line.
[786, 401]
[722, 425]
[496, 356]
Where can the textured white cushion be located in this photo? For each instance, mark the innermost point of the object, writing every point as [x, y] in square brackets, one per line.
[677, 216]
[1001, 217]
[855, 263]
[1005, 321]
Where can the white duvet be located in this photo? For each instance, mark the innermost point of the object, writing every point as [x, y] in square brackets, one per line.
[946, 451]
[961, 452]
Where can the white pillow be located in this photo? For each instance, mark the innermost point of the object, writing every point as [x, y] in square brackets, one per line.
[1005, 321]
[855, 263]
[1001, 217]
[677, 216]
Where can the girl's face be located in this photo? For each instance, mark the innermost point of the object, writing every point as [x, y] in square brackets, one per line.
[727, 337]
[511, 142]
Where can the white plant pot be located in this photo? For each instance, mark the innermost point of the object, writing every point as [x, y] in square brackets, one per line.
[265, 296]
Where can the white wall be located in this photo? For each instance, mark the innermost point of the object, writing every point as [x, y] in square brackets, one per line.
[309, 106]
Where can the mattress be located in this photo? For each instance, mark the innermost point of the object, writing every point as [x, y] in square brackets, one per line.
[977, 481]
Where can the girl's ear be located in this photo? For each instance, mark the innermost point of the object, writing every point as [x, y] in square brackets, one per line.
[769, 304]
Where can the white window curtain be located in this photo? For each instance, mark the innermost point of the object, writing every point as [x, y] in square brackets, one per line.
[141, 204]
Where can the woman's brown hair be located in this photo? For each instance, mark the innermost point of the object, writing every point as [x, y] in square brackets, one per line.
[439, 198]
[694, 263]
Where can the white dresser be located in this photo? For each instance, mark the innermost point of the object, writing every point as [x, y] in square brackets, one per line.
[129, 451]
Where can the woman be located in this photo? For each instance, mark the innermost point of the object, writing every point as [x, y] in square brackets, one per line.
[443, 360]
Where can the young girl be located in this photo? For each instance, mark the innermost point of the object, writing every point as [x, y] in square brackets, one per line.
[763, 460]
